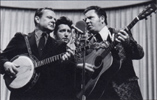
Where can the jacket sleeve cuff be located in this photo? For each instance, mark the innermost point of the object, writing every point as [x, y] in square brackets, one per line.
[2, 71]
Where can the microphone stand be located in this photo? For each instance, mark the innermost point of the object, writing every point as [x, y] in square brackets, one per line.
[83, 70]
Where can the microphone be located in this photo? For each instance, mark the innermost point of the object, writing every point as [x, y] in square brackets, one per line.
[80, 27]
[80, 31]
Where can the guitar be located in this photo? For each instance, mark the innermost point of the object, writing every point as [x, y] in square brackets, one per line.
[103, 62]
[26, 76]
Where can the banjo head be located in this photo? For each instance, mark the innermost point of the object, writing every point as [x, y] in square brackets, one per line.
[25, 67]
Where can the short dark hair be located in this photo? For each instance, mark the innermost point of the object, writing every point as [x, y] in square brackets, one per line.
[39, 12]
[98, 10]
[62, 20]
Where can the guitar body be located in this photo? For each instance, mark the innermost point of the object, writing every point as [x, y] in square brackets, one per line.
[26, 76]
[97, 86]
[100, 64]
[102, 75]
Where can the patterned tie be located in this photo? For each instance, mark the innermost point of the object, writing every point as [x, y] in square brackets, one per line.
[41, 44]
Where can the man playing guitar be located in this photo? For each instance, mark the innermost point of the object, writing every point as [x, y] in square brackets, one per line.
[118, 81]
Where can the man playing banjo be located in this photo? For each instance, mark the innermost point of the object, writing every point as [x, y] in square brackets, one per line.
[46, 81]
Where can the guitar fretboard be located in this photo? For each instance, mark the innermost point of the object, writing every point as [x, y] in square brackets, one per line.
[132, 24]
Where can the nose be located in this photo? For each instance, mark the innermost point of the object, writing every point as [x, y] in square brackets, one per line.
[66, 34]
[53, 20]
[87, 20]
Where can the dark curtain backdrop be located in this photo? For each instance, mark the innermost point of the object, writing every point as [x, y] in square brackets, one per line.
[145, 32]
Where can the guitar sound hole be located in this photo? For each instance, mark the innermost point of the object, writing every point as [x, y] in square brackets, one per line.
[98, 61]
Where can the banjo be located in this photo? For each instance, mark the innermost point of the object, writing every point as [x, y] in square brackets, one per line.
[26, 76]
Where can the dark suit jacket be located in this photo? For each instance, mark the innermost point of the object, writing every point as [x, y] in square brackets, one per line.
[132, 51]
[56, 79]
[127, 53]
[116, 73]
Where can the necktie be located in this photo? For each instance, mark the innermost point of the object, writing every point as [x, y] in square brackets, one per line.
[98, 37]
[41, 43]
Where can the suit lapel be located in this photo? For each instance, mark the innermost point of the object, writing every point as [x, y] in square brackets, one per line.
[49, 48]
[31, 38]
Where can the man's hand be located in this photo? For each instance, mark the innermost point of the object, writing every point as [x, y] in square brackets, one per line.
[69, 52]
[66, 56]
[10, 69]
[88, 66]
[123, 37]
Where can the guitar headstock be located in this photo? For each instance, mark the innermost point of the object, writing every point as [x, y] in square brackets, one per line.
[147, 11]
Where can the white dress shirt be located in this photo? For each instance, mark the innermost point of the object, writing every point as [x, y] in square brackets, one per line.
[104, 33]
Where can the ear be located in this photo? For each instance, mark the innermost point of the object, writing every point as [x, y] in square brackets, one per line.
[102, 18]
[37, 19]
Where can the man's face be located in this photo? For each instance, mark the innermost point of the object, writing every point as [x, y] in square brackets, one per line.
[47, 20]
[93, 21]
[64, 33]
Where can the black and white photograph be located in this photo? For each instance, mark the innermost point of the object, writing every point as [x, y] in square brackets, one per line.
[78, 49]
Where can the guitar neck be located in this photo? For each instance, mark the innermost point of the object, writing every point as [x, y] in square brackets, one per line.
[48, 60]
[112, 44]
[135, 20]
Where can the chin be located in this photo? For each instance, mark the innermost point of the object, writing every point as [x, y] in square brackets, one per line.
[50, 28]
[90, 29]
[65, 41]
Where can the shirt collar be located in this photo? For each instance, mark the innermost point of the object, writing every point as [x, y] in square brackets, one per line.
[38, 35]
[104, 32]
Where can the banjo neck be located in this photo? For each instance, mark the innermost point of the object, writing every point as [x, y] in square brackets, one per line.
[48, 60]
